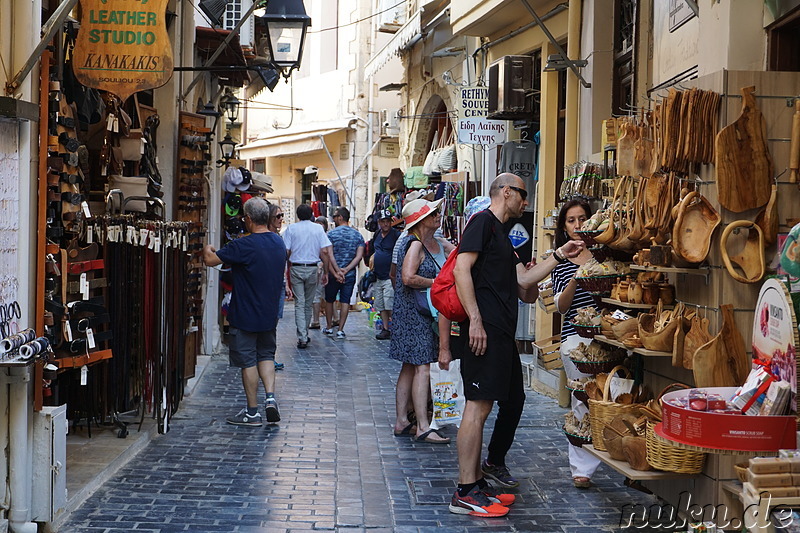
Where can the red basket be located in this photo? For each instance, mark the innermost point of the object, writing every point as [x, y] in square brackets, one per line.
[597, 284]
[586, 331]
[576, 440]
[596, 367]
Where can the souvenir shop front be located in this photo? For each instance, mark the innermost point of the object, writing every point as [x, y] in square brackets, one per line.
[689, 371]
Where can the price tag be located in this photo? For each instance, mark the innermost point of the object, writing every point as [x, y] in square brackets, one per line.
[90, 338]
[143, 234]
[116, 125]
[89, 234]
[68, 331]
[152, 236]
[84, 374]
[84, 285]
[85, 207]
[110, 122]
[129, 235]
[141, 146]
[156, 244]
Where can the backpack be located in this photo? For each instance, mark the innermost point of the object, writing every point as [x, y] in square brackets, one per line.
[443, 291]
[366, 286]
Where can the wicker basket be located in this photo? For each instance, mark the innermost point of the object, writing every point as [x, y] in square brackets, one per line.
[741, 471]
[576, 440]
[579, 394]
[586, 331]
[597, 284]
[664, 455]
[602, 412]
[596, 367]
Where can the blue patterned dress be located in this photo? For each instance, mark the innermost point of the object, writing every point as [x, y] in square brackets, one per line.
[413, 340]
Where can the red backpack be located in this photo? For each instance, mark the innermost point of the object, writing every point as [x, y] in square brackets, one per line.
[443, 291]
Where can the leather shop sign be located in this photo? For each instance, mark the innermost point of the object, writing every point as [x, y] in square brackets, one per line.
[123, 46]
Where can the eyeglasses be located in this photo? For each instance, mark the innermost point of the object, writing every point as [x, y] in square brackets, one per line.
[522, 192]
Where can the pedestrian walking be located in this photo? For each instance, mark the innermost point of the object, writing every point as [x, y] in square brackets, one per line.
[569, 298]
[257, 263]
[489, 278]
[413, 341]
[275, 224]
[382, 246]
[306, 245]
[348, 249]
[319, 295]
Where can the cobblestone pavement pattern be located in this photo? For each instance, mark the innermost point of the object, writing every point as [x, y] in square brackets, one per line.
[332, 463]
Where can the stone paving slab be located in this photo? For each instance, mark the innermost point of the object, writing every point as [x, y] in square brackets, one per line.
[332, 463]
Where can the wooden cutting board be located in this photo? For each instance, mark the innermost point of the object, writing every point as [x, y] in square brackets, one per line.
[626, 152]
[697, 336]
[744, 166]
[723, 361]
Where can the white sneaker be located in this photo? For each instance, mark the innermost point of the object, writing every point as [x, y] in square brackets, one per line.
[340, 335]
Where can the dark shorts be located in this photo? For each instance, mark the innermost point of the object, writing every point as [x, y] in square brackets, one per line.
[344, 290]
[495, 374]
[247, 349]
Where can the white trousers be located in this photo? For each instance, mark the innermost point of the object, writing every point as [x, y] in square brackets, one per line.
[581, 462]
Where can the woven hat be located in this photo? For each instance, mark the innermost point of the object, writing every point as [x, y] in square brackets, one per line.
[416, 210]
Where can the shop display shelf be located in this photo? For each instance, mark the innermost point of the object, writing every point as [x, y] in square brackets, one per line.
[625, 469]
[629, 305]
[17, 362]
[640, 351]
[699, 271]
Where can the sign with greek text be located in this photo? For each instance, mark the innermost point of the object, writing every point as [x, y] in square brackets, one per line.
[123, 46]
[473, 126]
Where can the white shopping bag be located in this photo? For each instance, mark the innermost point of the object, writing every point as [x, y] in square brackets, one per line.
[447, 391]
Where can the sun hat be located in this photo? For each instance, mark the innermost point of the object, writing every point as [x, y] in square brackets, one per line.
[416, 210]
[476, 205]
[233, 204]
[231, 178]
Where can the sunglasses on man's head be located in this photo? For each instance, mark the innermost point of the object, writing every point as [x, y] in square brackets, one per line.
[522, 192]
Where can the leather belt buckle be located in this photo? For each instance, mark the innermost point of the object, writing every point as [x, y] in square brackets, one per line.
[70, 143]
[72, 198]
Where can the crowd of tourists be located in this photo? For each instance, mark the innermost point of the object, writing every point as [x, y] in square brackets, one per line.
[318, 269]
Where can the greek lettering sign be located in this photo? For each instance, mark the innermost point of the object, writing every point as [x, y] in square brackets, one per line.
[123, 46]
[473, 126]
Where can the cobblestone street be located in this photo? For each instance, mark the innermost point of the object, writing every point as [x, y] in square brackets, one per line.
[332, 463]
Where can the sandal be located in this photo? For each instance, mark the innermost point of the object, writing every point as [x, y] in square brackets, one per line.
[425, 437]
[313, 325]
[410, 429]
[581, 482]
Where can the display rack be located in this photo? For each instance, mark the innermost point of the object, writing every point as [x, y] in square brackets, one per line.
[628, 305]
[640, 351]
[625, 469]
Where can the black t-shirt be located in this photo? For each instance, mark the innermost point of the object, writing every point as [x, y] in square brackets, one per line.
[494, 274]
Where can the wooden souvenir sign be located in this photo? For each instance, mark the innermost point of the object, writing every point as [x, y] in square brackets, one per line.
[775, 336]
[123, 46]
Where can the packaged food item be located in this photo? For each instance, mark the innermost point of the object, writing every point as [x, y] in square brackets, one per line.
[760, 481]
[750, 396]
[788, 453]
[698, 400]
[776, 401]
[769, 465]
[716, 402]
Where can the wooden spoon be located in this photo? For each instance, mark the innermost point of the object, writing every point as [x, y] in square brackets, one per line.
[767, 219]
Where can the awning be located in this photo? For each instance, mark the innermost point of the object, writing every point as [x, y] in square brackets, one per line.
[395, 45]
[207, 40]
[292, 143]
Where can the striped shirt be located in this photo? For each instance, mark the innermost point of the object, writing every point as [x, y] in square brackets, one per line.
[561, 276]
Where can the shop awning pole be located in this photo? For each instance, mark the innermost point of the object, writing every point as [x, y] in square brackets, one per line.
[234, 32]
[49, 30]
[349, 198]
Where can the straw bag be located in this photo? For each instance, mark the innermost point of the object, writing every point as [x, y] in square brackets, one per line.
[447, 157]
[664, 455]
[602, 412]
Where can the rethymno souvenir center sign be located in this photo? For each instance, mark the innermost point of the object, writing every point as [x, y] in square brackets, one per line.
[123, 46]
[473, 126]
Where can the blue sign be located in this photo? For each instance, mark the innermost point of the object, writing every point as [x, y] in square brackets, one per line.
[518, 235]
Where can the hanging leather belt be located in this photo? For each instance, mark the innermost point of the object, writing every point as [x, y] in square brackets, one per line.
[72, 198]
[85, 266]
[81, 345]
[74, 287]
[92, 305]
[82, 324]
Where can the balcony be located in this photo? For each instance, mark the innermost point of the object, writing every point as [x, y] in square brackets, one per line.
[494, 18]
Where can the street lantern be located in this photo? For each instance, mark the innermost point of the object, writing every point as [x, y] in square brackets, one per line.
[208, 110]
[283, 33]
[230, 106]
[227, 146]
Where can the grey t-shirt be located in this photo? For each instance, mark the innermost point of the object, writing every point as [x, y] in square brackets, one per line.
[520, 159]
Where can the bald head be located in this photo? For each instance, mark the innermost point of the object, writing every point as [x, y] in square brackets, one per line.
[506, 178]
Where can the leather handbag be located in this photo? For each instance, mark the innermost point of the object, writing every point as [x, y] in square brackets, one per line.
[130, 186]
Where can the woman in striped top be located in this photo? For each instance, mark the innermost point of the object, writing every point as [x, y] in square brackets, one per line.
[569, 298]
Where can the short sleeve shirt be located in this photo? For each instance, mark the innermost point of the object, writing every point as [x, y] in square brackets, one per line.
[494, 274]
[345, 240]
[304, 240]
[257, 264]
[383, 248]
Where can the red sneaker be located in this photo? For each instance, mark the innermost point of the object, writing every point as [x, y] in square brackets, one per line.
[496, 496]
[476, 503]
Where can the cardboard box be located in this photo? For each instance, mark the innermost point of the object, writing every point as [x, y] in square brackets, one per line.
[761, 481]
[769, 465]
[724, 431]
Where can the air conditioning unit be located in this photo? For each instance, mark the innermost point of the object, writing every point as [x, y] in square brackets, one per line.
[510, 84]
[390, 122]
[392, 16]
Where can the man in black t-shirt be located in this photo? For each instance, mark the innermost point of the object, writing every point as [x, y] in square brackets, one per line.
[489, 279]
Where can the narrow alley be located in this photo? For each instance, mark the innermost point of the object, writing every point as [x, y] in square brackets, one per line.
[332, 463]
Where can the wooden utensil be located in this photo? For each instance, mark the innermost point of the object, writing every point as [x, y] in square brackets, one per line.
[626, 153]
[696, 337]
[723, 361]
[751, 259]
[794, 149]
[767, 219]
[742, 160]
[691, 236]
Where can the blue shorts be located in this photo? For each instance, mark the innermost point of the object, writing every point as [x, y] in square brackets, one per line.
[344, 290]
[247, 349]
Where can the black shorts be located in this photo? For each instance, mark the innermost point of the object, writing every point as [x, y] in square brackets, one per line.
[493, 375]
[246, 349]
